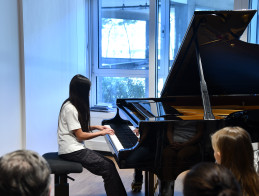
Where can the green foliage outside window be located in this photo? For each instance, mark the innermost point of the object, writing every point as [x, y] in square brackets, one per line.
[117, 87]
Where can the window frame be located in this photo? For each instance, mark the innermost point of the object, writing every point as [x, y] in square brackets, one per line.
[94, 53]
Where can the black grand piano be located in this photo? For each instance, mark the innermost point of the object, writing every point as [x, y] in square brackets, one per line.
[213, 83]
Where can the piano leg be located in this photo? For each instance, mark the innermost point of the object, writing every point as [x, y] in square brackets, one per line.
[151, 184]
[166, 188]
[136, 185]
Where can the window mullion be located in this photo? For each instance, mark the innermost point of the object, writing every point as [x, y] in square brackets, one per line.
[153, 48]
[165, 38]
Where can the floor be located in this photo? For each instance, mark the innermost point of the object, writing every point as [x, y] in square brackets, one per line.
[87, 184]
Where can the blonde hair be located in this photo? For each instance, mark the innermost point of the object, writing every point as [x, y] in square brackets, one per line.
[236, 151]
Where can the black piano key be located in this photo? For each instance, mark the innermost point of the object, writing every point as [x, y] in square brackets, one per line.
[125, 135]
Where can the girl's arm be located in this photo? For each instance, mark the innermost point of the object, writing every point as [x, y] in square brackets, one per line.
[99, 127]
[80, 135]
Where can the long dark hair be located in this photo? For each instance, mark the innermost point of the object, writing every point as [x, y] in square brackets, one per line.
[234, 145]
[79, 90]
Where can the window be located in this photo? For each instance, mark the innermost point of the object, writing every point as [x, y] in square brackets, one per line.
[123, 56]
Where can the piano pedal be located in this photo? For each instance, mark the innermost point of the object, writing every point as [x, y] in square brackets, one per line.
[136, 186]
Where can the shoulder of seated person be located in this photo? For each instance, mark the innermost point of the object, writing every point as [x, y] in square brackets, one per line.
[69, 106]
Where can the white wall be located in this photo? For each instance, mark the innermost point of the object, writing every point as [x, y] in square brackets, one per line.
[55, 49]
[10, 98]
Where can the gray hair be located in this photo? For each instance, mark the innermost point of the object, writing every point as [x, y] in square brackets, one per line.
[24, 173]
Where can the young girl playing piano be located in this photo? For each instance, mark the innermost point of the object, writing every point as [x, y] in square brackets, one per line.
[74, 127]
[233, 149]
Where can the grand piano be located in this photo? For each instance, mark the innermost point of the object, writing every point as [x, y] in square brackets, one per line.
[213, 83]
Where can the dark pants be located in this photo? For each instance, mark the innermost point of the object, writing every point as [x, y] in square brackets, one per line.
[101, 166]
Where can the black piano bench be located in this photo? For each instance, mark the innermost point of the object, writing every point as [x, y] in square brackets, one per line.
[61, 168]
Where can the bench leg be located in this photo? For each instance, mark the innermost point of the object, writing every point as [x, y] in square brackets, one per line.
[61, 185]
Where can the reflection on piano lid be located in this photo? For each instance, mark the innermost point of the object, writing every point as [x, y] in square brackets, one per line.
[146, 109]
[154, 108]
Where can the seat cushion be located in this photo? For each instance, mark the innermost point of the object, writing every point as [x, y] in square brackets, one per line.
[60, 166]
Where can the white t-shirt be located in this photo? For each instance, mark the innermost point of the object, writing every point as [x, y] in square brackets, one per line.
[68, 121]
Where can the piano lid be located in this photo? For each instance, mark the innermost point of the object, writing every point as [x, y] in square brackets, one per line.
[230, 66]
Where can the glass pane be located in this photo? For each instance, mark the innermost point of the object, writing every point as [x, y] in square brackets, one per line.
[123, 45]
[254, 25]
[159, 37]
[123, 34]
[180, 14]
[173, 46]
[112, 88]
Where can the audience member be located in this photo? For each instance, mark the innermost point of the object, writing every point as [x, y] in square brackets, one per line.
[210, 179]
[24, 173]
[233, 149]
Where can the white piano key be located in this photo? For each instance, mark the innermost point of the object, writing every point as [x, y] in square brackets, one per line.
[115, 141]
[133, 128]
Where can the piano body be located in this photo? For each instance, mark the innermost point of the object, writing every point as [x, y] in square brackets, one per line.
[213, 83]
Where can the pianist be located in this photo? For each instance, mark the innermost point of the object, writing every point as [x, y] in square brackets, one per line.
[74, 127]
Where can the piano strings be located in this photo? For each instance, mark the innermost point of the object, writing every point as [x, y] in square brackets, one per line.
[220, 112]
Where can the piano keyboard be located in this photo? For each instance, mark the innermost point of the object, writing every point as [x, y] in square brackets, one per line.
[124, 136]
[116, 142]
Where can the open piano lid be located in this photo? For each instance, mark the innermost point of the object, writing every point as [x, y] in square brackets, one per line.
[230, 66]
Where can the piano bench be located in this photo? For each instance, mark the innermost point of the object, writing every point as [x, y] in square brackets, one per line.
[61, 168]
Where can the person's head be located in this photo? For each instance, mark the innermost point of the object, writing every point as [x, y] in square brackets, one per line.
[210, 179]
[233, 149]
[79, 91]
[24, 173]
